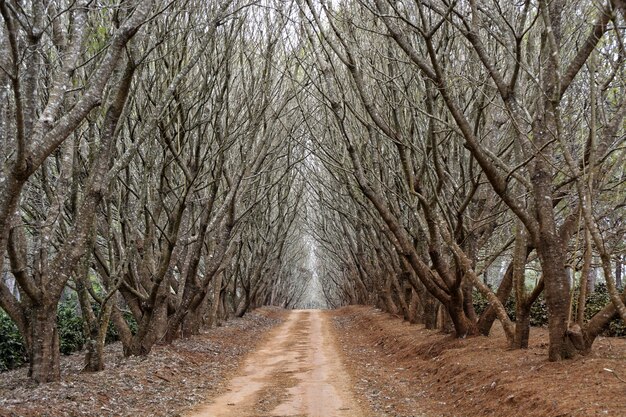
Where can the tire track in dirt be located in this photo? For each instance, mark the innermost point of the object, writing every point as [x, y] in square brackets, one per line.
[297, 373]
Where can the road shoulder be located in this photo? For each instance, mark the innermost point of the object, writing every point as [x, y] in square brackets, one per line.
[403, 370]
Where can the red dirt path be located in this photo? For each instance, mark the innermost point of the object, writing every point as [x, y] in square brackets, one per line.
[297, 372]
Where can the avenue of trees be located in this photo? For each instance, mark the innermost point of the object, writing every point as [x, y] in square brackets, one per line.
[178, 161]
[473, 133]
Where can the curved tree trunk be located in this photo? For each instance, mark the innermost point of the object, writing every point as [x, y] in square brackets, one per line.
[487, 318]
[463, 325]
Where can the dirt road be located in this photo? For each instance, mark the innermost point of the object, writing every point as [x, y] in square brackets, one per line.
[297, 372]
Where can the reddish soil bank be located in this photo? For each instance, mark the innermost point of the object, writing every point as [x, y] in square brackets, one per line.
[404, 370]
[168, 382]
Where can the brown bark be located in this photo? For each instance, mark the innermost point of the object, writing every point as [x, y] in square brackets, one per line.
[598, 323]
[215, 300]
[522, 327]
[486, 319]
[43, 343]
[48, 134]
[618, 271]
[584, 279]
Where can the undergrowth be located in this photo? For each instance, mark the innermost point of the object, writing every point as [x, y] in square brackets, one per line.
[13, 351]
[539, 312]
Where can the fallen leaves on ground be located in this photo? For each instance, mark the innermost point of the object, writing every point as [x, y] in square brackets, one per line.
[167, 382]
[404, 370]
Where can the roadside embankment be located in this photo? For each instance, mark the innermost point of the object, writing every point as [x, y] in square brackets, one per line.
[402, 369]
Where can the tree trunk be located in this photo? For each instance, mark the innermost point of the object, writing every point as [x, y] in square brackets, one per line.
[444, 322]
[192, 322]
[522, 304]
[387, 301]
[150, 331]
[486, 319]
[468, 303]
[584, 278]
[557, 300]
[92, 364]
[463, 326]
[243, 306]
[414, 308]
[222, 312]
[591, 283]
[94, 358]
[123, 329]
[522, 327]
[403, 295]
[44, 344]
[598, 323]
[431, 308]
[618, 271]
[215, 305]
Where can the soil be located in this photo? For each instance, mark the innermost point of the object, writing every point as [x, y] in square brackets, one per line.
[297, 372]
[168, 382]
[402, 369]
[352, 362]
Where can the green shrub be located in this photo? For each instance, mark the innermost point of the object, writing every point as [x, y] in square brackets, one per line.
[12, 349]
[71, 337]
[595, 302]
[539, 311]
[112, 335]
[71, 331]
[480, 303]
[70, 325]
